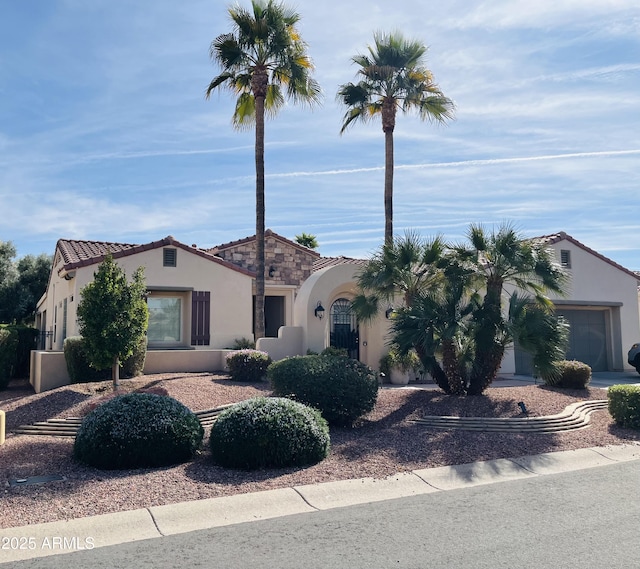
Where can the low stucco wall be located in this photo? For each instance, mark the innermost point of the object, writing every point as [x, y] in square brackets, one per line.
[287, 344]
[175, 361]
[49, 369]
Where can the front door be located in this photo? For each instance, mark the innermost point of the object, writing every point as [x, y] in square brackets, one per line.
[344, 328]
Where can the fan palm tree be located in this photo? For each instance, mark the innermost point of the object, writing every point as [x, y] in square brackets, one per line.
[263, 61]
[392, 76]
[405, 271]
[504, 257]
[451, 303]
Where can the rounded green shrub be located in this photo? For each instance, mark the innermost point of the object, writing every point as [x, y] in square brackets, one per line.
[571, 374]
[624, 405]
[138, 430]
[248, 365]
[342, 389]
[269, 432]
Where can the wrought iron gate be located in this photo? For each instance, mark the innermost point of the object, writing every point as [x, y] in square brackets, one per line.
[344, 328]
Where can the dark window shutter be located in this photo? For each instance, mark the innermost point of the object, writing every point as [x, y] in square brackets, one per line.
[200, 318]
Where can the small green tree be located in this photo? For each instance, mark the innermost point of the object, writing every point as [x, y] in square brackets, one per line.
[307, 240]
[112, 316]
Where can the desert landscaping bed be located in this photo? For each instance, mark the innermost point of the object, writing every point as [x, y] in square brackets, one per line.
[381, 444]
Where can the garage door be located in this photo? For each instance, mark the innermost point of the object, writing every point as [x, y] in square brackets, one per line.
[587, 338]
[587, 341]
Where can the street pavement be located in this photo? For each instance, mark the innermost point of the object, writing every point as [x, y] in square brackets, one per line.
[81, 536]
[584, 518]
[94, 533]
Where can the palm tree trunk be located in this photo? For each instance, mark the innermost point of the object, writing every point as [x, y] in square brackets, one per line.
[489, 350]
[388, 126]
[451, 368]
[433, 367]
[388, 187]
[260, 214]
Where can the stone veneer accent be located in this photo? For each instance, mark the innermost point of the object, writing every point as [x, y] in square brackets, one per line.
[292, 263]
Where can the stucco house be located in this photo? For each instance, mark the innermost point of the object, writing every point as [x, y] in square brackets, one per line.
[200, 302]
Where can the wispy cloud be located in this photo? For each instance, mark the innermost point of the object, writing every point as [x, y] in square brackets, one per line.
[105, 132]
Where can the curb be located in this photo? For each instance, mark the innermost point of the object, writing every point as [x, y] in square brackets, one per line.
[60, 537]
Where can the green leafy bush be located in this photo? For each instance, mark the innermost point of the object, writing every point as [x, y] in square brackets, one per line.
[243, 344]
[16, 343]
[138, 430]
[269, 433]
[342, 389]
[624, 405]
[405, 362]
[248, 365]
[8, 347]
[571, 374]
[80, 371]
[333, 351]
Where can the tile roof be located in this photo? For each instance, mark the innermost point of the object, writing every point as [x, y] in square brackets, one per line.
[557, 237]
[77, 253]
[324, 262]
[267, 233]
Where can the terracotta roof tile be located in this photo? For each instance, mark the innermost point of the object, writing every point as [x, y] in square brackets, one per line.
[324, 262]
[77, 253]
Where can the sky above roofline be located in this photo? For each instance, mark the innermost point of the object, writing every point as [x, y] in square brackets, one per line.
[105, 133]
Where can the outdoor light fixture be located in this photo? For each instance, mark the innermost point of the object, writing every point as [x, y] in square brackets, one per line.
[319, 311]
[272, 271]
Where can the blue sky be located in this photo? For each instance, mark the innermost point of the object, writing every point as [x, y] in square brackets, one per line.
[105, 133]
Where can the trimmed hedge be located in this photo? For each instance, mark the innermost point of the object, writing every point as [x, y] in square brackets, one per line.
[269, 432]
[572, 374]
[16, 343]
[138, 430]
[342, 389]
[8, 347]
[624, 405]
[248, 365]
[81, 372]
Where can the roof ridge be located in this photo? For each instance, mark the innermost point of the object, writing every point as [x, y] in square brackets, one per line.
[267, 233]
[562, 235]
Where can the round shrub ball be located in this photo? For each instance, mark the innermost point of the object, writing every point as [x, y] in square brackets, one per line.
[248, 365]
[342, 389]
[269, 432]
[138, 430]
[624, 405]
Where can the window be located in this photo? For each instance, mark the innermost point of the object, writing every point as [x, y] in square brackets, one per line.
[64, 319]
[165, 319]
[565, 258]
[169, 257]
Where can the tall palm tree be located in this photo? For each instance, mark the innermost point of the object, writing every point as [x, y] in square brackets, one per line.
[392, 76]
[262, 61]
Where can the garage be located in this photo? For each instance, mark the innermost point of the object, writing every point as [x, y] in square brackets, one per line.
[587, 340]
[588, 337]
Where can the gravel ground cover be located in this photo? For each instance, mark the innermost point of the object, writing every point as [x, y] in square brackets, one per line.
[382, 444]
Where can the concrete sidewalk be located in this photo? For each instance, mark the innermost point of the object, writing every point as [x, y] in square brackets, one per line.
[110, 529]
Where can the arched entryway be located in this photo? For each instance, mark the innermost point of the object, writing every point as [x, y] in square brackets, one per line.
[344, 328]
